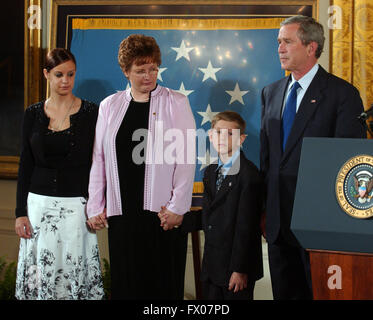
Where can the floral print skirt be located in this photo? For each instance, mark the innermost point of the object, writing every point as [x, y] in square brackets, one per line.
[60, 261]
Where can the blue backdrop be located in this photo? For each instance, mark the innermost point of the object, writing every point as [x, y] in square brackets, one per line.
[218, 70]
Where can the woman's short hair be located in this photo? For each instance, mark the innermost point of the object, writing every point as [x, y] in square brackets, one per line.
[230, 116]
[138, 49]
[57, 56]
[309, 30]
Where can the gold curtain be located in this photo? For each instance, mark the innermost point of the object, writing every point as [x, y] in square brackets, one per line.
[33, 57]
[351, 47]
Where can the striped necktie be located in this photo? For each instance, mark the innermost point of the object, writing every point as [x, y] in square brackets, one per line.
[220, 178]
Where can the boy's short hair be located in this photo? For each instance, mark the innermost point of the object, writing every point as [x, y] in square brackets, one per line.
[231, 116]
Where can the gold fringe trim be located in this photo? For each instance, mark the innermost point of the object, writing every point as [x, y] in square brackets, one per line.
[198, 187]
[195, 24]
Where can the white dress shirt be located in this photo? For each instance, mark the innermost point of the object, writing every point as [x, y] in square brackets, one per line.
[304, 82]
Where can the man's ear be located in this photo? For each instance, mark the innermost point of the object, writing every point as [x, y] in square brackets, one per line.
[311, 48]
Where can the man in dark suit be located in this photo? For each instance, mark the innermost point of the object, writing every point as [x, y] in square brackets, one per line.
[309, 103]
[230, 218]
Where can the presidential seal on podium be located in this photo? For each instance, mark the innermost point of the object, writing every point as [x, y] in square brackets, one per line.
[354, 187]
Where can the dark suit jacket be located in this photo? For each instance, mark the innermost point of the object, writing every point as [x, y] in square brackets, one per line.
[329, 108]
[230, 219]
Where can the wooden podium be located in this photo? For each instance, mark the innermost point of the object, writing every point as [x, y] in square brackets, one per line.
[339, 239]
[356, 280]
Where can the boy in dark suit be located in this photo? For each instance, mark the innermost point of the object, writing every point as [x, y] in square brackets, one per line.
[230, 216]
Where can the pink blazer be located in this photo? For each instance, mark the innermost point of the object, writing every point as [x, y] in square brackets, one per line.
[167, 183]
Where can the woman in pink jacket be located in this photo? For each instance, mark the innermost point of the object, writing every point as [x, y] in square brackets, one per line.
[143, 163]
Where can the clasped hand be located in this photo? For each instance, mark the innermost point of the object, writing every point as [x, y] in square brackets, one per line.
[169, 220]
[98, 222]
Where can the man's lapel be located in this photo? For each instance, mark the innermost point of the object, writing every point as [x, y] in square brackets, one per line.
[311, 100]
[210, 182]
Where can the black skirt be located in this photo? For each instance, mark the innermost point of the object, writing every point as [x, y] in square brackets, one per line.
[146, 261]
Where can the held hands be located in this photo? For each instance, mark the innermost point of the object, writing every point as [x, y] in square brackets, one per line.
[23, 227]
[169, 220]
[98, 222]
[238, 281]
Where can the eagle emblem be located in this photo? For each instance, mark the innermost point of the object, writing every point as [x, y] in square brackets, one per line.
[363, 186]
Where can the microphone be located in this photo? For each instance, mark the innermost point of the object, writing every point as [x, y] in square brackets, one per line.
[366, 114]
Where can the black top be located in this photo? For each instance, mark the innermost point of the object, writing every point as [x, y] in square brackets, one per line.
[55, 163]
[131, 155]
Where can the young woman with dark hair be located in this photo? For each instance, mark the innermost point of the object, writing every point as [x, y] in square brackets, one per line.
[58, 255]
